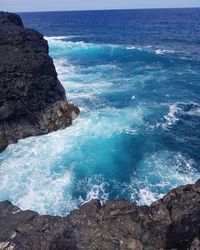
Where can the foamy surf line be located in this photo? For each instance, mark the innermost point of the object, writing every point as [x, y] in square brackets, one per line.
[65, 40]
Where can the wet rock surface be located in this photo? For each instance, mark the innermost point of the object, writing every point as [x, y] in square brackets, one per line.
[32, 100]
[172, 222]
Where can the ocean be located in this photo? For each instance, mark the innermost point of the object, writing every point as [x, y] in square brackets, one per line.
[135, 75]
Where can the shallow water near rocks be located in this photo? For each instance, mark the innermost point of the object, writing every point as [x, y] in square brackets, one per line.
[135, 76]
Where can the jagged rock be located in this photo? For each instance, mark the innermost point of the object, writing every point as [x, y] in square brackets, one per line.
[172, 222]
[32, 100]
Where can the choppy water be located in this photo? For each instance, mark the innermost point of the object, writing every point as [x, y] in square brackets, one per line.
[136, 77]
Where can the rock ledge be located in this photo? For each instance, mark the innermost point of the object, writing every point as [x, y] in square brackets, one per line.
[172, 222]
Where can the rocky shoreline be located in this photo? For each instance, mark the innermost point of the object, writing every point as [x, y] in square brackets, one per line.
[172, 222]
[32, 100]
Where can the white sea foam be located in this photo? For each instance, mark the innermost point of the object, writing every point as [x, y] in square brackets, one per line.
[163, 51]
[146, 196]
[171, 118]
[61, 38]
[55, 38]
[95, 187]
[179, 109]
[150, 49]
[33, 180]
[158, 173]
[61, 42]
[38, 172]
[28, 179]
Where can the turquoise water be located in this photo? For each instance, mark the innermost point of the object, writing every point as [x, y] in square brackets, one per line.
[138, 132]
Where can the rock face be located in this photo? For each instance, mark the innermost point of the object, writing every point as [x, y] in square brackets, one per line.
[32, 100]
[172, 222]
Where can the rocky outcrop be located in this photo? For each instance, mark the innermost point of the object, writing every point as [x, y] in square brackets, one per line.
[172, 222]
[32, 100]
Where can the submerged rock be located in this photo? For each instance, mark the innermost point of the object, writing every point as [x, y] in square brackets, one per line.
[172, 222]
[32, 100]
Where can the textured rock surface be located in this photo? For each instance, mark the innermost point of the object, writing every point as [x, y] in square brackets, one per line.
[32, 100]
[172, 222]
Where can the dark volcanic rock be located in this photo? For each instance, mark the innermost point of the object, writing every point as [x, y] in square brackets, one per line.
[32, 100]
[172, 222]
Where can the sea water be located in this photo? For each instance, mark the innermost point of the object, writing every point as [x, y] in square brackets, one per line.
[135, 75]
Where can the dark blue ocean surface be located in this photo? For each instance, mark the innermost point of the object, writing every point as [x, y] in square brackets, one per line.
[135, 75]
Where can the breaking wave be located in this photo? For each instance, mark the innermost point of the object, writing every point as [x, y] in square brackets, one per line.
[185, 112]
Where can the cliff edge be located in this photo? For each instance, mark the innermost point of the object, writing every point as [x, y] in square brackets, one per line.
[32, 100]
[172, 222]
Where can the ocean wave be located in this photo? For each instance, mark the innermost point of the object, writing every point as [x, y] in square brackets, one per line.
[159, 173]
[81, 47]
[68, 72]
[85, 86]
[55, 38]
[178, 111]
[61, 38]
[163, 51]
[32, 180]
[95, 187]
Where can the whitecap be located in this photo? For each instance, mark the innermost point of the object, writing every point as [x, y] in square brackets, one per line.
[177, 111]
[159, 173]
[52, 38]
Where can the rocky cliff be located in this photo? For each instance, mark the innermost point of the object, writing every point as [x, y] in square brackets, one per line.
[172, 222]
[32, 100]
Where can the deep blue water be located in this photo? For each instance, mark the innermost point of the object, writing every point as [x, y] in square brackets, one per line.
[135, 75]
